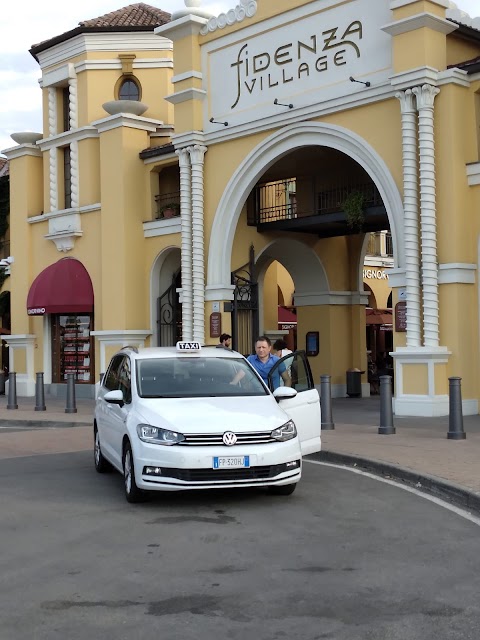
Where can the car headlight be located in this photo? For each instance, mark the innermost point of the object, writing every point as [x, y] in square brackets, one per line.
[286, 432]
[155, 435]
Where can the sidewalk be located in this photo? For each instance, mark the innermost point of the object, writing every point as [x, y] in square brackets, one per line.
[419, 453]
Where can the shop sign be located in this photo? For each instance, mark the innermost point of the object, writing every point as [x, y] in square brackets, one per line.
[307, 59]
[286, 326]
[401, 316]
[37, 311]
[375, 274]
[215, 325]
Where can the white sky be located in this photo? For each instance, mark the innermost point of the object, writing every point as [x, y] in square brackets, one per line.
[33, 21]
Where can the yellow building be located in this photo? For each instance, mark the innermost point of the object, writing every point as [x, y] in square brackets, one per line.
[255, 164]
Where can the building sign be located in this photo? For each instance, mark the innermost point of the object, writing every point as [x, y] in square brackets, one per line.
[401, 316]
[37, 311]
[303, 57]
[215, 324]
[375, 274]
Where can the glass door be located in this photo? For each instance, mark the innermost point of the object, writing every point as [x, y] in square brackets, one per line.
[72, 348]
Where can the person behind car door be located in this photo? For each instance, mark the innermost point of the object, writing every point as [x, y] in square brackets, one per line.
[263, 361]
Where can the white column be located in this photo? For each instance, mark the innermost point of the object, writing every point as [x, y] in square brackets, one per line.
[52, 154]
[73, 119]
[410, 205]
[197, 154]
[425, 98]
[186, 231]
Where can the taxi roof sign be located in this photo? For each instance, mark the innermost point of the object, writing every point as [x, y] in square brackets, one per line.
[188, 346]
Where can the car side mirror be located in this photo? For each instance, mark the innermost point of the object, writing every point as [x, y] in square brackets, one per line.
[283, 393]
[114, 397]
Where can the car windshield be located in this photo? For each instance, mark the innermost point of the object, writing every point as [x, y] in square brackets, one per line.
[197, 377]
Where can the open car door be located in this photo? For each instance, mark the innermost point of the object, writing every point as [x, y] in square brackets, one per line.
[304, 408]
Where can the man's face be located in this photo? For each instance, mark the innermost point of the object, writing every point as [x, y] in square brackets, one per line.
[262, 349]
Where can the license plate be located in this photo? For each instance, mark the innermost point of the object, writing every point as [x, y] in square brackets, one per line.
[231, 462]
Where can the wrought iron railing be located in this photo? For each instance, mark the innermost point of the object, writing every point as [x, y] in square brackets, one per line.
[298, 197]
[389, 245]
[167, 205]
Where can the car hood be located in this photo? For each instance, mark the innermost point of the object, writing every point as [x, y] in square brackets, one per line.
[212, 415]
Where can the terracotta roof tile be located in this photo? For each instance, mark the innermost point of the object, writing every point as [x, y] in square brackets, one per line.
[134, 15]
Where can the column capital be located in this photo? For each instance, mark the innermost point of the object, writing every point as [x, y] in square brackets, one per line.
[425, 96]
[407, 101]
[183, 157]
[197, 153]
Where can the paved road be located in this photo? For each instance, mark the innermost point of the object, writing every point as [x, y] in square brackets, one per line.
[345, 557]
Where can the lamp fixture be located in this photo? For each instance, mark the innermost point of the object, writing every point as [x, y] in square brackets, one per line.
[281, 104]
[352, 79]
[212, 120]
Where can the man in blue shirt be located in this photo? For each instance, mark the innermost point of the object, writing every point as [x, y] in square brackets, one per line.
[263, 362]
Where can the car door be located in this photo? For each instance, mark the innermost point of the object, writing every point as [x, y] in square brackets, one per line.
[304, 408]
[105, 422]
[118, 414]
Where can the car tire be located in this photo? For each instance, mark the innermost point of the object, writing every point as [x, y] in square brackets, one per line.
[132, 493]
[282, 490]
[101, 464]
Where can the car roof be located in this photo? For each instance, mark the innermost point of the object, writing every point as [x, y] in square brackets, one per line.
[208, 351]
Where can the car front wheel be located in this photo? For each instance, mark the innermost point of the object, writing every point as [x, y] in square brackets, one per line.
[282, 490]
[132, 492]
[101, 464]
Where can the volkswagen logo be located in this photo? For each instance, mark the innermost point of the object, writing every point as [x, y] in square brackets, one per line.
[229, 438]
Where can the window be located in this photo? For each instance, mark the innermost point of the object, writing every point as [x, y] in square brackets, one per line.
[125, 380]
[66, 108]
[129, 90]
[72, 348]
[67, 177]
[112, 375]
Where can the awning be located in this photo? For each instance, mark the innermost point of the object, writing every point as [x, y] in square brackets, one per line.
[379, 316]
[63, 287]
[286, 316]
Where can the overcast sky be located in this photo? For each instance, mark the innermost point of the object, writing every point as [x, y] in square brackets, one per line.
[31, 21]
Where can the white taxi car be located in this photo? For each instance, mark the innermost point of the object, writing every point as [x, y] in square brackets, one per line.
[191, 417]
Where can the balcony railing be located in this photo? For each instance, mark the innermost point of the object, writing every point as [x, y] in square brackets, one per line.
[167, 205]
[299, 198]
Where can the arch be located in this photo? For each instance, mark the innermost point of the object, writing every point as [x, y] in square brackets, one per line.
[165, 265]
[302, 263]
[279, 144]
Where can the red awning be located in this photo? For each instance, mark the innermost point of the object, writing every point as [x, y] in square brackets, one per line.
[63, 287]
[379, 316]
[286, 316]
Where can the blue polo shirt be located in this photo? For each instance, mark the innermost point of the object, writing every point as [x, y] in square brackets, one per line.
[264, 368]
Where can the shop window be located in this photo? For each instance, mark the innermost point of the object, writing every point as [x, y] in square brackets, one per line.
[72, 348]
[129, 90]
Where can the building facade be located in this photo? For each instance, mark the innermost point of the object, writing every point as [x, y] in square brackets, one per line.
[186, 164]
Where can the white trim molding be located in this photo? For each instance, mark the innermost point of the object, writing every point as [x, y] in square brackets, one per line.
[165, 227]
[331, 298]
[420, 21]
[115, 64]
[398, 4]
[63, 230]
[58, 77]
[456, 273]
[412, 77]
[67, 137]
[246, 9]
[188, 75]
[220, 292]
[189, 25]
[187, 94]
[121, 337]
[473, 173]
[126, 120]
[22, 150]
[88, 208]
[25, 380]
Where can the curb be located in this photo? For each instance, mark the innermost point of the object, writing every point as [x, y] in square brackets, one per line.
[45, 424]
[448, 491]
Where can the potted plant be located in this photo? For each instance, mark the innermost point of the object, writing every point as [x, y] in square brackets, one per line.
[354, 208]
[170, 210]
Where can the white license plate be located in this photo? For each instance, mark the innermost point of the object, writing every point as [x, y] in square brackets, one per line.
[231, 462]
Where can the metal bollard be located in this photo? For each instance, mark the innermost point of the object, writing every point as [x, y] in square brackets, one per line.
[39, 393]
[12, 391]
[386, 411]
[455, 414]
[326, 403]
[71, 404]
[2, 383]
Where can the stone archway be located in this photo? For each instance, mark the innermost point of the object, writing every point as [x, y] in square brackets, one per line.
[164, 268]
[279, 144]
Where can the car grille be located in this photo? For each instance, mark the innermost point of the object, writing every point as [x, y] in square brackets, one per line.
[215, 439]
[209, 475]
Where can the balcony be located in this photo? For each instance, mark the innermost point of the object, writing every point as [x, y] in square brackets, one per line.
[296, 204]
[167, 205]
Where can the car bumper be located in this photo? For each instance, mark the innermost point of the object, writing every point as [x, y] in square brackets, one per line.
[177, 468]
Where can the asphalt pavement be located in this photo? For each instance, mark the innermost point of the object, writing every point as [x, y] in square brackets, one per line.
[418, 453]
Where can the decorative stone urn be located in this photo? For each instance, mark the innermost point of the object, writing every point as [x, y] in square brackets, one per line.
[125, 106]
[26, 137]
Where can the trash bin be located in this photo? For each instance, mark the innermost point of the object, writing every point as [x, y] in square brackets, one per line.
[354, 383]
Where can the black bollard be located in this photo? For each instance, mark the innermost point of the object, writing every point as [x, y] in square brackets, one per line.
[386, 411]
[2, 383]
[40, 393]
[71, 404]
[326, 403]
[455, 413]
[12, 391]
